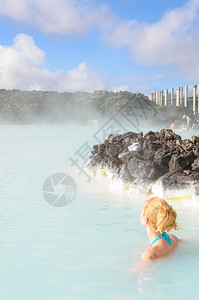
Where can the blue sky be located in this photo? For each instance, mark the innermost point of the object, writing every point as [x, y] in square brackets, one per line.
[70, 45]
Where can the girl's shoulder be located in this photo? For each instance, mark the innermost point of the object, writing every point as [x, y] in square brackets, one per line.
[149, 254]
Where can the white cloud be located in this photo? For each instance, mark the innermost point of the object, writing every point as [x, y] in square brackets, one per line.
[83, 79]
[142, 88]
[64, 17]
[22, 66]
[119, 88]
[172, 41]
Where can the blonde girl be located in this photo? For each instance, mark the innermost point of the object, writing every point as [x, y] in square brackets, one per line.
[159, 218]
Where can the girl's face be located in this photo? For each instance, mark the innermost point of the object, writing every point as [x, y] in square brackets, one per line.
[143, 218]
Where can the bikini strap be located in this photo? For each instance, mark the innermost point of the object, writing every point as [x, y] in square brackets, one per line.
[164, 235]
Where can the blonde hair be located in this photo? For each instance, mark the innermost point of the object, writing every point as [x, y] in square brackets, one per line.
[161, 215]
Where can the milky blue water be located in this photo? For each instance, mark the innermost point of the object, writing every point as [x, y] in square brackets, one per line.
[85, 250]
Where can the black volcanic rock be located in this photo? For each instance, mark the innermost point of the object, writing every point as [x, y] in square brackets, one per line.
[155, 156]
[195, 165]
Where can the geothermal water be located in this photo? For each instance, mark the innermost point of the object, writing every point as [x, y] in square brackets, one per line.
[87, 249]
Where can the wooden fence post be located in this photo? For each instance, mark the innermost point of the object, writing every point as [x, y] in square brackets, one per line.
[198, 101]
[185, 95]
[158, 97]
[181, 94]
[172, 93]
[161, 97]
[166, 97]
[177, 96]
[194, 98]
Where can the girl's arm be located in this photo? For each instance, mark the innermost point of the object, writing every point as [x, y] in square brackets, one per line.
[143, 264]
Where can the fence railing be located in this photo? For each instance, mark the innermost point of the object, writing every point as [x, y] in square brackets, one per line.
[187, 96]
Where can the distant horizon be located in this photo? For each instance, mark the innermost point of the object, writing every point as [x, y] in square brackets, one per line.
[72, 92]
[92, 92]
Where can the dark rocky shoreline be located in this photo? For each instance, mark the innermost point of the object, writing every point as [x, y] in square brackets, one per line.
[162, 157]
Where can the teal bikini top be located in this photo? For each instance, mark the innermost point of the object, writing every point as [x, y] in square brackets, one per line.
[162, 236]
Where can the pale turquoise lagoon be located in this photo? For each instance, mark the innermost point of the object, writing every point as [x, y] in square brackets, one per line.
[86, 249]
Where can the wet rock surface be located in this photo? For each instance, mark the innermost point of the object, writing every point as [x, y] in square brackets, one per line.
[156, 156]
